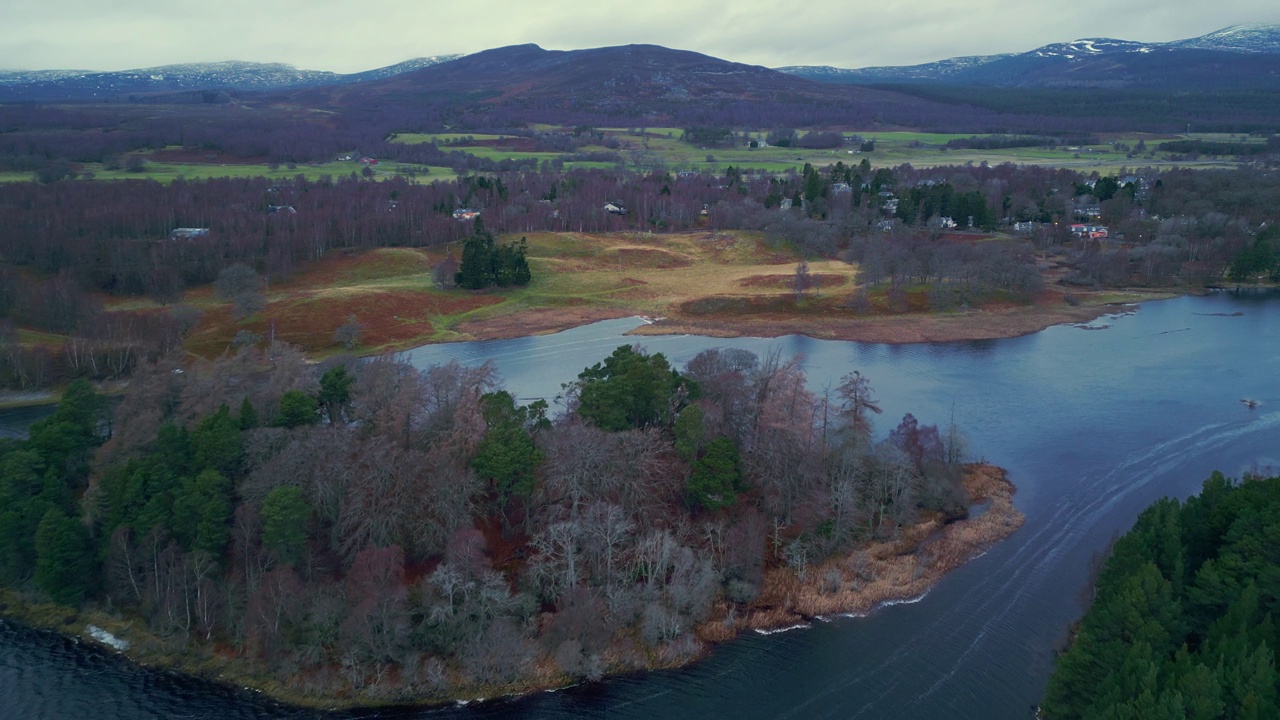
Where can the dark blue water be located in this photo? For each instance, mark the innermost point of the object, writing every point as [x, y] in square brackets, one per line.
[15, 421]
[1093, 425]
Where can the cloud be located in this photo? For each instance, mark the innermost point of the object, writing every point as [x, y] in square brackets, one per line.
[345, 36]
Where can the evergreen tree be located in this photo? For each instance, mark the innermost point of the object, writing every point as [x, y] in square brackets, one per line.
[216, 443]
[285, 515]
[335, 391]
[631, 389]
[248, 415]
[297, 408]
[66, 562]
[716, 477]
[202, 513]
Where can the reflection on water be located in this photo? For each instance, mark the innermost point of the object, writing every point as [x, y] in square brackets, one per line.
[1092, 425]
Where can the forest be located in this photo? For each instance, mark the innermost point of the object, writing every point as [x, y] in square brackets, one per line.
[372, 530]
[1182, 623]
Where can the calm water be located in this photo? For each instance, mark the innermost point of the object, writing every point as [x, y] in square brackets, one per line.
[1093, 425]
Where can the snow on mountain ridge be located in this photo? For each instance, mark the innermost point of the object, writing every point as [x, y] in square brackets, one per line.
[1247, 38]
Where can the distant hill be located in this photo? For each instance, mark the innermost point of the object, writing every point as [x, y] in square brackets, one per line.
[631, 80]
[1239, 57]
[81, 85]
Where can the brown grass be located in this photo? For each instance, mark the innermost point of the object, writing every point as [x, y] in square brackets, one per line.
[308, 319]
[787, 282]
[880, 572]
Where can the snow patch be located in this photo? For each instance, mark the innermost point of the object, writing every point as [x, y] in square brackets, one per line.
[107, 638]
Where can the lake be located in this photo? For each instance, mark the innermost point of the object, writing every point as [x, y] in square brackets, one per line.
[1092, 424]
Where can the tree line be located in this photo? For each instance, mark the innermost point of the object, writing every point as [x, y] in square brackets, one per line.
[394, 532]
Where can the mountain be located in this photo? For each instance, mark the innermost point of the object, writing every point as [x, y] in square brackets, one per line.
[892, 73]
[80, 85]
[1238, 57]
[626, 80]
[1250, 38]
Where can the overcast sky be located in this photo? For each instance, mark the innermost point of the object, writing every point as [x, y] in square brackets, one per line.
[348, 36]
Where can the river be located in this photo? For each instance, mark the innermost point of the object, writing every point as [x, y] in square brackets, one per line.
[1092, 424]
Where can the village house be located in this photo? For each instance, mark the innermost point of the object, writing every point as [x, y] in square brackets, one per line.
[1083, 230]
[462, 214]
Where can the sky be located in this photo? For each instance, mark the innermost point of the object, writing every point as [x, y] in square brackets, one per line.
[349, 36]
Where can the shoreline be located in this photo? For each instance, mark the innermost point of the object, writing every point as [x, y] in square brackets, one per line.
[875, 575]
[992, 323]
[881, 573]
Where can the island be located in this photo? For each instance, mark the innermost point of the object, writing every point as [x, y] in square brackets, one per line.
[366, 533]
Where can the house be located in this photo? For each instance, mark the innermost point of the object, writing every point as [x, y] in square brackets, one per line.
[187, 233]
[686, 174]
[785, 204]
[942, 222]
[615, 209]
[1089, 211]
[1082, 230]
[1025, 227]
[281, 210]
[841, 188]
[463, 214]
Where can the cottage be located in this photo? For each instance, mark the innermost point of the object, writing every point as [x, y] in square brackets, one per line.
[615, 209]
[281, 210]
[841, 188]
[1083, 230]
[463, 214]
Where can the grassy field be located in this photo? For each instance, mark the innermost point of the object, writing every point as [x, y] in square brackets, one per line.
[661, 148]
[393, 297]
[441, 138]
[723, 283]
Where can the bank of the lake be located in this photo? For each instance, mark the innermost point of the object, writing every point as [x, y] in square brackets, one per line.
[899, 568]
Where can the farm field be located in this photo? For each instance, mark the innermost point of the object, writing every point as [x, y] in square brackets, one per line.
[650, 149]
[661, 149]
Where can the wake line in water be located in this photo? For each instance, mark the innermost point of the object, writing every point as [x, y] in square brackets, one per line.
[1065, 536]
[1041, 551]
